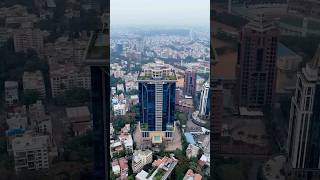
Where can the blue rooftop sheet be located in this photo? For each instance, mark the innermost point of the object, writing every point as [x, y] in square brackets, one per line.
[189, 138]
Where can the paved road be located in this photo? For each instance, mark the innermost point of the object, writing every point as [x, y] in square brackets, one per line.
[253, 171]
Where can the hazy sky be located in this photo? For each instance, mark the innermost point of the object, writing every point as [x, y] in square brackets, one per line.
[160, 12]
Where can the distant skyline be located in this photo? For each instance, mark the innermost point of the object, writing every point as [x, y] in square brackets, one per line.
[174, 13]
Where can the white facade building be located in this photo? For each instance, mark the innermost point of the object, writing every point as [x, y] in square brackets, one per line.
[11, 92]
[204, 99]
[31, 153]
[119, 109]
[34, 81]
[192, 151]
[303, 135]
[66, 77]
[140, 159]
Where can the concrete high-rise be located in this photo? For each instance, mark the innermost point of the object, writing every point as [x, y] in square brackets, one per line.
[190, 82]
[157, 88]
[256, 67]
[204, 107]
[303, 143]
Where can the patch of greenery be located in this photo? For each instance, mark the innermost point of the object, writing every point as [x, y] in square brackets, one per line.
[114, 81]
[30, 96]
[182, 117]
[142, 77]
[73, 97]
[79, 149]
[159, 174]
[144, 126]
[120, 121]
[231, 169]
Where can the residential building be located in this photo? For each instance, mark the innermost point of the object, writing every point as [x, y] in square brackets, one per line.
[31, 152]
[34, 81]
[142, 175]
[141, 158]
[192, 151]
[28, 38]
[190, 82]
[157, 87]
[190, 175]
[185, 104]
[67, 76]
[17, 114]
[80, 119]
[126, 138]
[64, 50]
[303, 134]
[163, 169]
[288, 63]
[17, 121]
[116, 147]
[120, 87]
[123, 163]
[11, 92]
[134, 99]
[119, 109]
[166, 164]
[308, 8]
[115, 167]
[256, 67]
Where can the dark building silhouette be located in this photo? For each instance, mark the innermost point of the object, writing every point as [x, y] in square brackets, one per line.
[190, 82]
[216, 114]
[97, 57]
[256, 68]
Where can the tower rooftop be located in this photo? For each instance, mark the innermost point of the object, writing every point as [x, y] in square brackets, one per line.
[157, 70]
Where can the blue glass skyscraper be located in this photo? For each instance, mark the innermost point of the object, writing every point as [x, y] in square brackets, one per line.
[157, 87]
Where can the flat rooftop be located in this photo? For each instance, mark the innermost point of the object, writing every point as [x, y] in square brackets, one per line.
[97, 52]
[74, 112]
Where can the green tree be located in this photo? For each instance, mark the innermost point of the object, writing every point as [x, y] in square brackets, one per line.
[131, 177]
[30, 96]
[119, 92]
[72, 97]
[79, 148]
[112, 176]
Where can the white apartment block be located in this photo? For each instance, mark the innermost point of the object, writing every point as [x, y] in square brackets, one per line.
[31, 153]
[66, 77]
[28, 38]
[140, 159]
[11, 92]
[34, 81]
[119, 109]
[66, 51]
[192, 151]
[17, 121]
